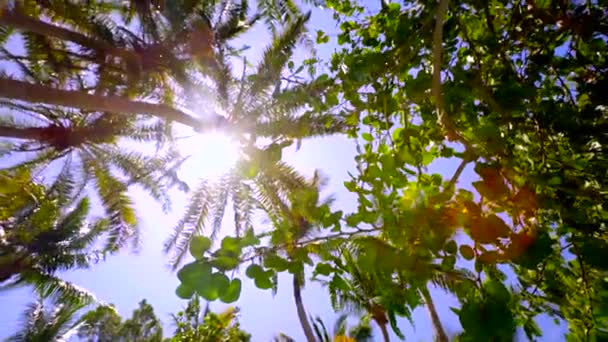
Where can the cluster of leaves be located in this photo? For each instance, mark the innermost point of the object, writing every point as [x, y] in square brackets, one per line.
[44, 230]
[193, 325]
[61, 321]
[513, 88]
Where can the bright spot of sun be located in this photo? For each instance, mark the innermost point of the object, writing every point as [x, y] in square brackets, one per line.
[212, 154]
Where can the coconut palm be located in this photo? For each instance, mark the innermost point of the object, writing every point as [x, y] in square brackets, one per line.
[170, 54]
[294, 218]
[42, 324]
[85, 147]
[258, 105]
[367, 292]
[194, 324]
[359, 333]
[47, 232]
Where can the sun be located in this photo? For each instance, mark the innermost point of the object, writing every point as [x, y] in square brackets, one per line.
[212, 154]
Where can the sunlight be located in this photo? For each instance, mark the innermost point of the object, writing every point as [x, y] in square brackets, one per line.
[211, 155]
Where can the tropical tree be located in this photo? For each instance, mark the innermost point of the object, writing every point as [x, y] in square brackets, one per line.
[46, 232]
[259, 106]
[193, 324]
[366, 292]
[512, 90]
[104, 324]
[295, 221]
[40, 323]
[359, 333]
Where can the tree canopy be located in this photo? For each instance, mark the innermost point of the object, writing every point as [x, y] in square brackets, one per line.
[513, 91]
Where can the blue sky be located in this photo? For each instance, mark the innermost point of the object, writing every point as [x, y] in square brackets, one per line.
[127, 278]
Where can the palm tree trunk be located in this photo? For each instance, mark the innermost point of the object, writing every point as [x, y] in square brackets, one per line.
[297, 295]
[385, 332]
[439, 331]
[35, 93]
[22, 22]
[25, 133]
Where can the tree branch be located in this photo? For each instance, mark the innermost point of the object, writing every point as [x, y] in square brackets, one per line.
[442, 117]
[34, 93]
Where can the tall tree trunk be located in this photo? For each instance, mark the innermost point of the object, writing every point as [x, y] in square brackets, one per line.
[25, 133]
[384, 330]
[297, 295]
[439, 331]
[14, 18]
[11, 268]
[35, 93]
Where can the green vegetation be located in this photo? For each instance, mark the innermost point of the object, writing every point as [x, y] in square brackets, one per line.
[512, 91]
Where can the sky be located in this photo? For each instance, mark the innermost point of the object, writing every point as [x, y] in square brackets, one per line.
[127, 278]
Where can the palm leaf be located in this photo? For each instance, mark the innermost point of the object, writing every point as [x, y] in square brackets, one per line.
[191, 224]
[276, 56]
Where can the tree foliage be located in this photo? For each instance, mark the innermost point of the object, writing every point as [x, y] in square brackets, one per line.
[509, 90]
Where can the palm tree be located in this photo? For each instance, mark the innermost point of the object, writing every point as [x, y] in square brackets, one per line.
[48, 232]
[368, 291]
[42, 324]
[294, 219]
[359, 333]
[194, 324]
[258, 107]
[170, 55]
[87, 144]
[441, 336]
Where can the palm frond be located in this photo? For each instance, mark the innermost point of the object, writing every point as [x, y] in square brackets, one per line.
[301, 127]
[276, 56]
[320, 329]
[235, 22]
[218, 207]
[116, 202]
[243, 205]
[49, 286]
[191, 224]
[340, 325]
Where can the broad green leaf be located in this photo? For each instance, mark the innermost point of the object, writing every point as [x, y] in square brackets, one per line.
[184, 291]
[233, 291]
[254, 271]
[199, 245]
[275, 262]
[467, 252]
[367, 137]
[451, 247]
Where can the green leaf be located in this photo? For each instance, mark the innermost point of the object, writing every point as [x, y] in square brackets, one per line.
[275, 262]
[231, 244]
[184, 291]
[199, 245]
[225, 261]
[233, 292]
[194, 273]
[339, 284]
[254, 271]
[216, 286]
[323, 269]
[497, 291]
[451, 247]
[467, 252]
[263, 282]
[367, 137]
[554, 181]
